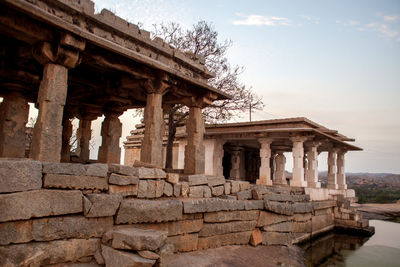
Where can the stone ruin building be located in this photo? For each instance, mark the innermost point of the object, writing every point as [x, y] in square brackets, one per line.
[72, 62]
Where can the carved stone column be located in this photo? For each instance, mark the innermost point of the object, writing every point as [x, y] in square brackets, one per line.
[332, 169]
[265, 156]
[111, 130]
[83, 136]
[65, 141]
[341, 175]
[194, 150]
[218, 156]
[280, 175]
[151, 151]
[298, 162]
[312, 165]
[14, 111]
[235, 165]
[56, 59]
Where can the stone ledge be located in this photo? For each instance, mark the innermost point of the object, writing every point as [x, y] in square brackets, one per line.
[240, 238]
[211, 204]
[75, 182]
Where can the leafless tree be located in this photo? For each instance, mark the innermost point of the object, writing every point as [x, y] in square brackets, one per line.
[202, 40]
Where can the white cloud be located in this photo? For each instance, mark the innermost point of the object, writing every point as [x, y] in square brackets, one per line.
[390, 18]
[260, 20]
[383, 29]
[309, 20]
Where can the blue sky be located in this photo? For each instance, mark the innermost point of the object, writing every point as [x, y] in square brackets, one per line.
[334, 62]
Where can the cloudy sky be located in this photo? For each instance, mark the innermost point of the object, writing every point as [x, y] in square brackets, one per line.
[334, 62]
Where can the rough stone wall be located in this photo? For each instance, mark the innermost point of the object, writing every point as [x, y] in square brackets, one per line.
[116, 215]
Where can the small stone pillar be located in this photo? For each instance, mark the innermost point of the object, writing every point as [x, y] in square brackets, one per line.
[152, 150]
[65, 140]
[332, 169]
[298, 162]
[83, 136]
[194, 150]
[111, 130]
[235, 165]
[312, 165]
[280, 175]
[14, 111]
[218, 156]
[47, 134]
[265, 156]
[341, 175]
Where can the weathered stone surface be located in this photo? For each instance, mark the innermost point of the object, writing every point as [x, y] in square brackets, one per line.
[215, 180]
[185, 189]
[196, 179]
[45, 253]
[123, 190]
[151, 188]
[243, 195]
[138, 239]
[218, 190]
[97, 169]
[159, 188]
[227, 216]
[275, 238]
[227, 188]
[323, 212]
[240, 238]
[101, 205]
[142, 191]
[290, 227]
[317, 205]
[173, 178]
[259, 191]
[20, 175]
[268, 218]
[113, 257]
[302, 217]
[53, 228]
[279, 207]
[256, 237]
[211, 204]
[168, 189]
[121, 169]
[149, 173]
[321, 221]
[212, 229]
[207, 192]
[183, 243]
[177, 189]
[74, 182]
[118, 179]
[286, 198]
[243, 185]
[140, 211]
[254, 205]
[300, 207]
[174, 227]
[64, 168]
[196, 191]
[39, 203]
[147, 254]
[235, 186]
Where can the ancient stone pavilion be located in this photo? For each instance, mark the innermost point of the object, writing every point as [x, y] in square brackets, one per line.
[254, 151]
[73, 63]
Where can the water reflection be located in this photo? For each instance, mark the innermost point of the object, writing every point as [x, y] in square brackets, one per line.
[382, 249]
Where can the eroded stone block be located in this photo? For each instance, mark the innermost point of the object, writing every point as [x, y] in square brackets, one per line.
[138, 239]
[123, 190]
[227, 216]
[218, 190]
[119, 179]
[64, 168]
[183, 243]
[101, 205]
[279, 207]
[97, 169]
[215, 180]
[240, 238]
[20, 175]
[168, 189]
[268, 218]
[212, 229]
[74, 182]
[113, 257]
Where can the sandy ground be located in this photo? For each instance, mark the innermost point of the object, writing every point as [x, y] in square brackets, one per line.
[379, 211]
[238, 256]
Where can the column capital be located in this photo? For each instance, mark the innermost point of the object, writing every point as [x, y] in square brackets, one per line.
[265, 140]
[312, 144]
[296, 139]
[158, 85]
[65, 52]
[200, 101]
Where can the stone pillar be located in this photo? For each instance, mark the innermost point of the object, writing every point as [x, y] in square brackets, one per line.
[332, 169]
[218, 156]
[298, 162]
[280, 175]
[83, 136]
[154, 130]
[312, 165]
[14, 111]
[56, 59]
[265, 156]
[341, 175]
[194, 150]
[235, 165]
[111, 130]
[65, 140]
